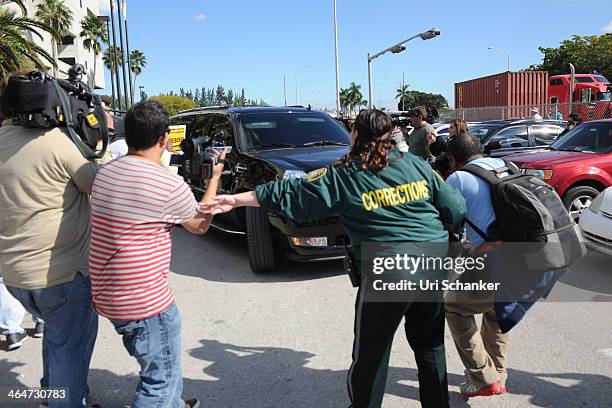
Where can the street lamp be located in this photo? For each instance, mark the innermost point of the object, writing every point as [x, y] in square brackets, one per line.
[337, 63]
[296, 82]
[502, 52]
[396, 49]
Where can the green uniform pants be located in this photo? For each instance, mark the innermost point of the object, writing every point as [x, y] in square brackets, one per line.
[375, 326]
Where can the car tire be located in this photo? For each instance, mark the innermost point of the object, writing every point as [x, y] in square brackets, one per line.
[578, 199]
[260, 241]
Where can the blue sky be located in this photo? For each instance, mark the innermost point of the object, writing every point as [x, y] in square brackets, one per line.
[253, 44]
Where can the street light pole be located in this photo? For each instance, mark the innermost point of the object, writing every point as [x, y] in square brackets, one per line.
[369, 81]
[396, 49]
[502, 52]
[337, 62]
[296, 81]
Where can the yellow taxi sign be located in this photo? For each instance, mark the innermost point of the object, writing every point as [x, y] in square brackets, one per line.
[177, 135]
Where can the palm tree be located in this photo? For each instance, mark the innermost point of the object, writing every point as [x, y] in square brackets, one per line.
[402, 94]
[355, 95]
[137, 62]
[55, 14]
[108, 57]
[94, 35]
[17, 50]
[344, 98]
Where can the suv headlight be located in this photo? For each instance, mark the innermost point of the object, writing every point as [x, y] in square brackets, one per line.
[596, 203]
[543, 174]
[293, 174]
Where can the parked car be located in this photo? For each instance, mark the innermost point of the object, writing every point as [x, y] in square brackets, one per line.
[484, 129]
[268, 144]
[596, 223]
[517, 136]
[578, 165]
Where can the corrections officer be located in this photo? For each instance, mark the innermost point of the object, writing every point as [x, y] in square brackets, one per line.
[379, 194]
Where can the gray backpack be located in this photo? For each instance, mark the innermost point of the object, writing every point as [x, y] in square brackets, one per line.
[531, 220]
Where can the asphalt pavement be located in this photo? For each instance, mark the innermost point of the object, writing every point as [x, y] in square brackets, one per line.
[284, 339]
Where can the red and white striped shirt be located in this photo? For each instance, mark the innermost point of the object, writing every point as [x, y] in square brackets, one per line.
[134, 204]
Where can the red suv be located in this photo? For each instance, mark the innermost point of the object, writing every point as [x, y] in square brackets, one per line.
[578, 165]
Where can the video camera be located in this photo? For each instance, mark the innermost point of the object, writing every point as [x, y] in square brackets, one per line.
[38, 100]
[198, 158]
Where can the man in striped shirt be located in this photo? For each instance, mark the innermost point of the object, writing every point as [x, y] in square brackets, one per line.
[135, 202]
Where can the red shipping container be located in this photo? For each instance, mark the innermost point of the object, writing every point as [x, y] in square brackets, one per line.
[505, 89]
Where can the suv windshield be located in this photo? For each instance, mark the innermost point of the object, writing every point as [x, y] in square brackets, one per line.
[272, 130]
[588, 137]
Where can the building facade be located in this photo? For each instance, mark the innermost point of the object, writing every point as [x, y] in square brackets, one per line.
[71, 50]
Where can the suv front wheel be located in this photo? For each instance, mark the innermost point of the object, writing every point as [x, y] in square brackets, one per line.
[260, 241]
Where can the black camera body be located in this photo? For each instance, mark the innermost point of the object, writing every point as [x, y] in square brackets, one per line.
[38, 100]
[401, 121]
[197, 162]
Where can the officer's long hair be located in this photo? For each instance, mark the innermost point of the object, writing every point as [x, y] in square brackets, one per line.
[373, 142]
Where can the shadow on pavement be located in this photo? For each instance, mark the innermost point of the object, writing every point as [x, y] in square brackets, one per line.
[258, 377]
[562, 390]
[221, 257]
[9, 380]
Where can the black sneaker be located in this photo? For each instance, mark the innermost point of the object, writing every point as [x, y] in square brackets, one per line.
[39, 330]
[192, 403]
[16, 340]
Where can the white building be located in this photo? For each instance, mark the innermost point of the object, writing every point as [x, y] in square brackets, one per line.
[71, 50]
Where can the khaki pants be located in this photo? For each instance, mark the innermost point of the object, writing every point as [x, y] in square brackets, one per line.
[483, 352]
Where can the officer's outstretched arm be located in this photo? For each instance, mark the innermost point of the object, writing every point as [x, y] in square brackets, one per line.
[318, 195]
[449, 203]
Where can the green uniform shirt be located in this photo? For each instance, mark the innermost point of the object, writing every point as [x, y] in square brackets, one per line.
[406, 201]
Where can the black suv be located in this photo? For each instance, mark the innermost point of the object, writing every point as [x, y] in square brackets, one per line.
[501, 138]
[268, 144]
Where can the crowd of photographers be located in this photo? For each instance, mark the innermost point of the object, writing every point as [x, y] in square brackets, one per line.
[82, 238]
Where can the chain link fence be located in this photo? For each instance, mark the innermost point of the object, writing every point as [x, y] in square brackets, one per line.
[560, 111]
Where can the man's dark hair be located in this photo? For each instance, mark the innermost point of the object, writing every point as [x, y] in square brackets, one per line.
[419, 111]
[576, 117]
[463, 146]
[145, 123]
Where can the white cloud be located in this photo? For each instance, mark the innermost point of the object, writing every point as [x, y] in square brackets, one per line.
[607, 28]
[200, 17]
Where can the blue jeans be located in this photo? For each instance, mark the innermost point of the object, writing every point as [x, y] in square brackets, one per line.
[156, 344]
[70, 334]
[11, 313]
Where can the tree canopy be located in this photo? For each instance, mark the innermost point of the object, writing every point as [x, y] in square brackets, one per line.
[174, 103]
[588, 54]
[417, 98]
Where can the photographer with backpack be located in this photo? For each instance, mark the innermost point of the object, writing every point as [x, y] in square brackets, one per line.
[499, 202]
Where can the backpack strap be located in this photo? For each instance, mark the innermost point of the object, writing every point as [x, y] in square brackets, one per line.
[477, 230]
[512, 169]
[488, 175]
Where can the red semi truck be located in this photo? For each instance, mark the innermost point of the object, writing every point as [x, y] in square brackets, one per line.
[522, 90]
[592, 95]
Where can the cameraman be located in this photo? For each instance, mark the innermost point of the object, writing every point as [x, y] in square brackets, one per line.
[44, 238]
